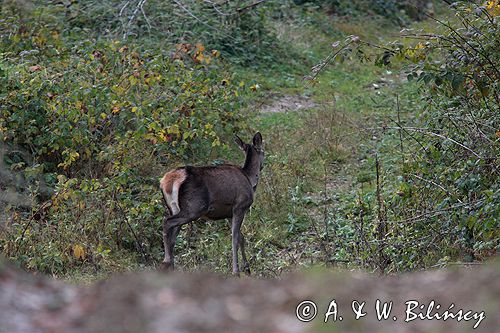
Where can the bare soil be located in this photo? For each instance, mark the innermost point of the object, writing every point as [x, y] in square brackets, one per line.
[288, 103]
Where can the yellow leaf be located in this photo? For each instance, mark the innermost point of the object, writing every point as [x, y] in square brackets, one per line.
[61, 179]
[419, 46]
[133, 80]
[78, 252]
[410, 53]
[174, 129]
[134, 109]
[200, 47]
[200, 57]
[81, 206]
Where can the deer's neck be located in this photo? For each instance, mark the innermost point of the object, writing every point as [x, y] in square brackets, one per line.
[252, 168]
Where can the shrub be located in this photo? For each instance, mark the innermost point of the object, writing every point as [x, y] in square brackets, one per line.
[438, 198]
[101, 120]
[237, 29]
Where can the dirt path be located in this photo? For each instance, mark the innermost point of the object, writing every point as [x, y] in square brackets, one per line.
[288, 103]
[154, 302]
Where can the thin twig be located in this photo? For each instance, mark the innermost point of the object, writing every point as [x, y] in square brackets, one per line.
[138, 242]
[465, 41]
[243, 9]
[400, 131]
[434, 213]
[329, 59]
[139, 6]
[214, 6]
[426, 131]
[184, 8]
[123, 8]
[437, 185]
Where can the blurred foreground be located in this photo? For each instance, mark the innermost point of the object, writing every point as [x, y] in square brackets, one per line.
[155, 302]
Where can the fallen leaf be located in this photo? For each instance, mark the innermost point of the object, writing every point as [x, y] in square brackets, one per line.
[78, 252]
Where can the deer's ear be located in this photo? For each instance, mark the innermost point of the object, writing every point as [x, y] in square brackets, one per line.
[239, 142]
[257, 140]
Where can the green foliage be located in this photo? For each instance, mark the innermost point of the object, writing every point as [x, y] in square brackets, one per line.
[98, 99]
[237, 29]
[427, 189]
[457, 165]
[398, 12]
[72, 108]
[101, 121]
[439, 192]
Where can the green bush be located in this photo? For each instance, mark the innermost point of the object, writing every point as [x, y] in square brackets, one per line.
[398, 12]
[101, 121]
[439, 190]
[428, 189]
[460, 126]
[237, 29]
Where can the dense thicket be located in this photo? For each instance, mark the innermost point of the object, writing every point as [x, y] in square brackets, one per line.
[89, 120]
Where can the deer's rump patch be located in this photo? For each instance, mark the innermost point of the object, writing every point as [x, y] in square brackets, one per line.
[169, 185]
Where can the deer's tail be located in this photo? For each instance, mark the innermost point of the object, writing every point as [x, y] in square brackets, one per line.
[169, 185]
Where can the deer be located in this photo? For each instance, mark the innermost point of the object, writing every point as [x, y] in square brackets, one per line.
[218, 192]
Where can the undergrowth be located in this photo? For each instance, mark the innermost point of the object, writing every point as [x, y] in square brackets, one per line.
[392, 169]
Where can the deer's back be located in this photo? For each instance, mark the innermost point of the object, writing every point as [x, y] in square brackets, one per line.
[214, 191]
[224, 183]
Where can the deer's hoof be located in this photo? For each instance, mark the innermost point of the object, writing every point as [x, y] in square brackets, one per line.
[167, 266]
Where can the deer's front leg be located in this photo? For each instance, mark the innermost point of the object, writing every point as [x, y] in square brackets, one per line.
[238, 216]
[246, 266]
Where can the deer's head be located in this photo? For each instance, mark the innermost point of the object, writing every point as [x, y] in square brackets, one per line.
[254, 157]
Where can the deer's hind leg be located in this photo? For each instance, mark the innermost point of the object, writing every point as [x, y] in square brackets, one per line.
[169, 238]
[171, 228]
[190, 210]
